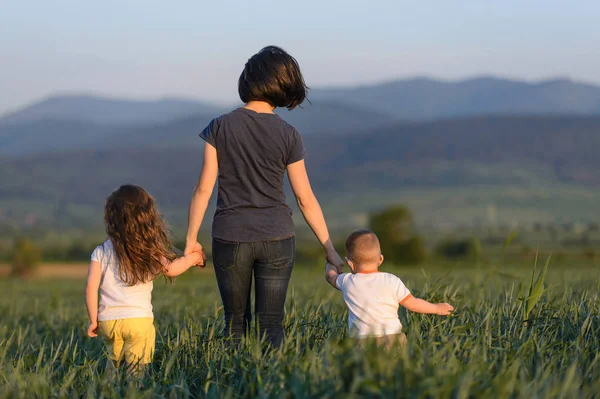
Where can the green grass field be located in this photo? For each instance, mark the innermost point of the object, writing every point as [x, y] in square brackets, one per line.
[484, 350]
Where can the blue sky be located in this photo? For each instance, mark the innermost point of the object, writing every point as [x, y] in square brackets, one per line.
[196, 49]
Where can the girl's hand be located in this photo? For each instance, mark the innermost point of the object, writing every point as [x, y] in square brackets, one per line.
[444, 309]
[334, 259]
[195, 247]
[197, 258]
[92, 330]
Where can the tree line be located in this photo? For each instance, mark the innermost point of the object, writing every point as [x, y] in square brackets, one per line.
[401, 244]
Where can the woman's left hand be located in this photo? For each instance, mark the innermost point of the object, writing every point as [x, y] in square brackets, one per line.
[334, 258]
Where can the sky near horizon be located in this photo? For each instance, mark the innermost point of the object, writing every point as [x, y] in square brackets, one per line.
[197, 49]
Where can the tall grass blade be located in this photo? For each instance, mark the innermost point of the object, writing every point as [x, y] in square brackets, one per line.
[536, 291]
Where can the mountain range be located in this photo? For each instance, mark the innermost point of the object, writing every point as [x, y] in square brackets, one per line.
[410, 99]
[423, 98]
[77, 121]
[107, 111]
[387, 137]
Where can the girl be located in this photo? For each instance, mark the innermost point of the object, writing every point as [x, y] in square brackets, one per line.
[250, 149]
[122, 269]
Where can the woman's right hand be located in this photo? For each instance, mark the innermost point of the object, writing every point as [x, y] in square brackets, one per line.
[194, 246]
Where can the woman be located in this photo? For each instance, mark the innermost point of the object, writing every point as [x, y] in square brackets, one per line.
[250, 149]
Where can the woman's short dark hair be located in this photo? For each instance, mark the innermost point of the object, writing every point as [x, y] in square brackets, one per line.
[273, 76]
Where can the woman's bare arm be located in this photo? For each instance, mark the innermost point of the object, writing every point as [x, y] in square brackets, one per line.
[311, 210]
[201, 197]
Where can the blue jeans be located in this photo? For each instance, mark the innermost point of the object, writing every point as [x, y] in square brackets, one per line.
[272, 263]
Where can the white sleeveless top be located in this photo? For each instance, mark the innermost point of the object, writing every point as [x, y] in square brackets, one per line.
[117, 299]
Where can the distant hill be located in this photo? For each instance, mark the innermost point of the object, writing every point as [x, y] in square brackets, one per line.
[81, 122]
[108, 111]
[417, 134]
[47, 135]
[458, 152]
[334, 117]
[451, 153]
[408, 99]
[30, 136]
[424, 98]
[312, 119]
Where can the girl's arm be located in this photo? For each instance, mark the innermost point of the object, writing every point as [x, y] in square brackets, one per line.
[202, 193]
[421, 306]
[311, 210]
[181, 264]
[91, 296]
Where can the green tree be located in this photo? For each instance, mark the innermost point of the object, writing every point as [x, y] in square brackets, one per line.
[395, 228]
[26, 257]
[459, 248]
[80, 250]
[413, 251]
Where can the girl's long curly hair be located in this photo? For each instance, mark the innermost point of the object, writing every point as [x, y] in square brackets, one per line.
[138, 234]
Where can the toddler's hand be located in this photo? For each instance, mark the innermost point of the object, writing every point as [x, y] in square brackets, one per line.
[92, 330]
[334, 259]
[329, 266]
[444, 309]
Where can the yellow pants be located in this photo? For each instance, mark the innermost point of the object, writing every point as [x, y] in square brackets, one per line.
[131, 340]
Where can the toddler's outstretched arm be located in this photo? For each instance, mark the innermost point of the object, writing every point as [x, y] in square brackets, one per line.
[422, 306]
[331, 274]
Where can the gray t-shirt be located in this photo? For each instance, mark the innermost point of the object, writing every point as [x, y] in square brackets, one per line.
[253, 150]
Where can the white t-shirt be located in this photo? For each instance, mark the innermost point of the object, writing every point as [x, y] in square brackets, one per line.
[373, 300]
[117, 299]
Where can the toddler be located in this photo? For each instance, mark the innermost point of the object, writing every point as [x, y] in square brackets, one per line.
[373, 297]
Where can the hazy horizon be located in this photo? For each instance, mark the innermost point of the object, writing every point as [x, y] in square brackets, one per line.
[150, 49]
[225, 103]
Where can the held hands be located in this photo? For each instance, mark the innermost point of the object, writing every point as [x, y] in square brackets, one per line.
[334, 260]
[331, 274]
[444, 309]
[196, 253]
[331, 268]
[198, 258]
[92, 330]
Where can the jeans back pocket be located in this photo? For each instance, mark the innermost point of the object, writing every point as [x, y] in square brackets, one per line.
[224, 254]
[281, 253]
